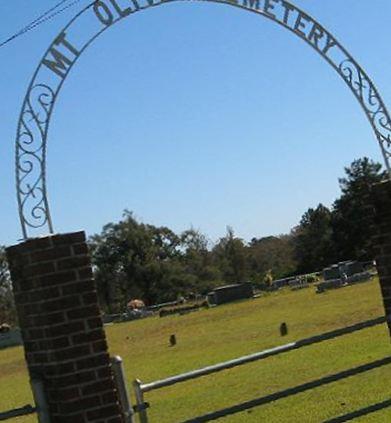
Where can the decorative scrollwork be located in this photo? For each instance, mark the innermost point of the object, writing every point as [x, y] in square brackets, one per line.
[382, 122]
[30, 145]
[64, 51]
[361, 86]
[370, 101]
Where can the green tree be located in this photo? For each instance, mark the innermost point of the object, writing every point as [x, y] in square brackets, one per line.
[230, 257]
[198, 264]
[273, 255]
[7, 306]
[351, 220]
[136, 260]
[313, 240]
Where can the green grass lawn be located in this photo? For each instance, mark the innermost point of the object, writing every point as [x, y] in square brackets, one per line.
[225, 332]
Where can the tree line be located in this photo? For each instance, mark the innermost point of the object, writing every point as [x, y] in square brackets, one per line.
[137, 260]
[132, 259]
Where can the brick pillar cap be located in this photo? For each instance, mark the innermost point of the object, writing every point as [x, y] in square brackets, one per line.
[46, 241]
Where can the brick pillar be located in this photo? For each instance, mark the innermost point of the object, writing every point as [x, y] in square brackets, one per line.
[62, 329]
[381, 201]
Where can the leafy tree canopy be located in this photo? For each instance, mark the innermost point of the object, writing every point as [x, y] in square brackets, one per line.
[313, 245]
[351, 219]
[7, 307]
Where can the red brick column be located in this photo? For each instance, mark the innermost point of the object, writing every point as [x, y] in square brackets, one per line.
[381, 201]
[65, 344]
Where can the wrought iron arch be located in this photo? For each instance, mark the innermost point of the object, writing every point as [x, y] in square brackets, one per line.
[58, 60]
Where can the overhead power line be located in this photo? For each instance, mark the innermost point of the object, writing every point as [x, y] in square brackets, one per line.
[49, 14]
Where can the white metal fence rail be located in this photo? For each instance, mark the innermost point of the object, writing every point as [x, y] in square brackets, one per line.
[141, 388]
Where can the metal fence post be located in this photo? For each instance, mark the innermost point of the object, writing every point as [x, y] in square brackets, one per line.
[140, 401]
[40, 400]
[119, 376]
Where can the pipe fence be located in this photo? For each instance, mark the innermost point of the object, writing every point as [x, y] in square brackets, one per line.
[140, 388]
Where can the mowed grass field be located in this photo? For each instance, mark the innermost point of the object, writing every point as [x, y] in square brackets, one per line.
[225, 332]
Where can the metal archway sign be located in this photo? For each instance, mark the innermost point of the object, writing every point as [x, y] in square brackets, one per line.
[94, 19]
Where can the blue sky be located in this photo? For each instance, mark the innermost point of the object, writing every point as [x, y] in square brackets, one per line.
[196, 115]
